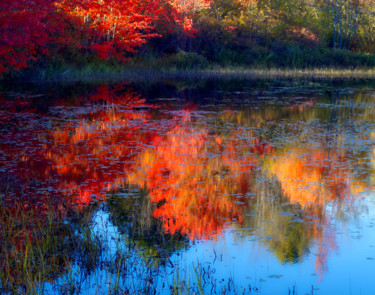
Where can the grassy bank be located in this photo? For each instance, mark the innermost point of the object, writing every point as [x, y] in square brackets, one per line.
[285, 64]
[104, 73]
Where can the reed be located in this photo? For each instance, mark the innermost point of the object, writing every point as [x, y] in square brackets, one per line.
[45, 252]
[92, 74]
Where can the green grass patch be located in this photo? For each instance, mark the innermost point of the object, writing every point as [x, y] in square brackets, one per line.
[98, 74]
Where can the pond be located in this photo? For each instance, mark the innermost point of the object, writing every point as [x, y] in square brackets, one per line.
[200, 187]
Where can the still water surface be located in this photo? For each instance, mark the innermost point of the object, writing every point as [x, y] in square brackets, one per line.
[266, 189]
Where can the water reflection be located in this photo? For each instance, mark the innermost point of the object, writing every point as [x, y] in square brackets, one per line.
[199, 181]
[132, 212]
[170, 172]
[79, 152]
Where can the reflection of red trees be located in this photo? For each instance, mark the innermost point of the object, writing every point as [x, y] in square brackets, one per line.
[94, 157]
[198, 181]
[81, 158]
[15, 109]
[201, 178]
[117, 96]
[49, 165]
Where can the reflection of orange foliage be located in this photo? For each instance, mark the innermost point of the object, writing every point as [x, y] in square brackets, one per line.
[315, 179]
[198, 181]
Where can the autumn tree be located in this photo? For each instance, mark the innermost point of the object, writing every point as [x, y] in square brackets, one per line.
[24, 32]
[178, 22]
[114, 26]
[109, 28]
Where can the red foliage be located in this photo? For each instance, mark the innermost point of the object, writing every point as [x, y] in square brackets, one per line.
[177, 15]
[24, 32]
[110, 28]
[114, 26]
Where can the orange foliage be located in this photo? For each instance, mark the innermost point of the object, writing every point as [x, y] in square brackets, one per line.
[298, 33]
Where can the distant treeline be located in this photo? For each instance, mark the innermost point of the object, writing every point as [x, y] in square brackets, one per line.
[187, 33]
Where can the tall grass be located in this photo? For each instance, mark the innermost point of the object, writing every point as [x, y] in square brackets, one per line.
[44, 251]
[94, 74]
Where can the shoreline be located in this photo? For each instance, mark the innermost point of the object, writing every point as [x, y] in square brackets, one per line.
[95, 74]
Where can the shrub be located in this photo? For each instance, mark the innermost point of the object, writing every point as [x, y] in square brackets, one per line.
[185, 60]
